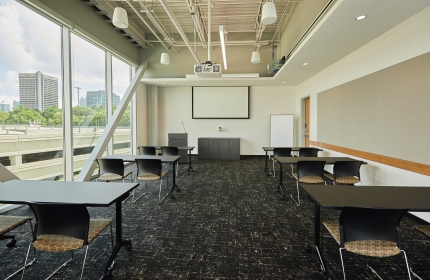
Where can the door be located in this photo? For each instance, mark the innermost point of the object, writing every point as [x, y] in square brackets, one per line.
[212, 149]
[235, 149]
[307, 121]
[224, 149]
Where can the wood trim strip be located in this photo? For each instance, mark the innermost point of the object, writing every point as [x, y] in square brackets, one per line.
[395, 162]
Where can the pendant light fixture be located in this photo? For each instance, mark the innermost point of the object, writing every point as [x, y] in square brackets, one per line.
[165, 58]
[268, 15]
[120, 18]
[255, 58]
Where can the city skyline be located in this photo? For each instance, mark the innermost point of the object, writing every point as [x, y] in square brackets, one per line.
[34, 45]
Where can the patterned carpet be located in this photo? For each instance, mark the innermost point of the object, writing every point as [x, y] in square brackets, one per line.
[226, 223]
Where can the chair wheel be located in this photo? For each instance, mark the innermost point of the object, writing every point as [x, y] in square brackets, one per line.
[322, 275]
[129, 247]
[11, 243]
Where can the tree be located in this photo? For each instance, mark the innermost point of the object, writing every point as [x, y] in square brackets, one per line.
[21, 115]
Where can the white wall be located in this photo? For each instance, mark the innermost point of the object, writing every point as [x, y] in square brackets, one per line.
[407, 40]
[175, 107]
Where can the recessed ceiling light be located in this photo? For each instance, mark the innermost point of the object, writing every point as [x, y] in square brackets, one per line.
[360, 17]
[283, 82]
[305, 63]
[164, 83]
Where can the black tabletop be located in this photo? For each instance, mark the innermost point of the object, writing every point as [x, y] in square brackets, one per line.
[328, 160]
[99, 194]
[292, 148]
[131, 158]
[402, 197]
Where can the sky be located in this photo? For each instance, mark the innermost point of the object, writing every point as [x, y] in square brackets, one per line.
[30, 43]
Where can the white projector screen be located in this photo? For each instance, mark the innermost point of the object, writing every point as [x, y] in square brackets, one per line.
[220, 102]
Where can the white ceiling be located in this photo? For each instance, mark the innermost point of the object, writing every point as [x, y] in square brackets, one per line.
[336, 35]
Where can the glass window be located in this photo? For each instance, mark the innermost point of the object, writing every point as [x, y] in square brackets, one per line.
[89, 98]
[30, 94]
[121, 81]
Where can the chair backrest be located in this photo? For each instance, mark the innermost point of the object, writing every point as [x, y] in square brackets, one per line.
[152, 166]
[169, 151]
[310, 168]
[281, 152]
[61, 219]
[346, 168]
[111, 165]
[370, 224]
[147, 150]
[308, 152]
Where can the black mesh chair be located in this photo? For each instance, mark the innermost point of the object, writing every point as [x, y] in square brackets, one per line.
[279, 152]
[111, 169]
[345, 172]
[147, 150]
[9, 223]
[150, 170]
[171, 151]
[308, 172]
[64, 227]
[368, 232]
[306, 152]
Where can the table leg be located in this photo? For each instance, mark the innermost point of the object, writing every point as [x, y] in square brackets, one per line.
[174, 186]
[189, 162]
[316, 247]
[280, 182]
[265, 165]
[119, 241]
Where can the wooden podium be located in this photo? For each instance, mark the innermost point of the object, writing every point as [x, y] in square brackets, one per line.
[179, 139]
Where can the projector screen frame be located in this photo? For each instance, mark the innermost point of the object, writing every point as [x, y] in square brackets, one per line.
[233, 118]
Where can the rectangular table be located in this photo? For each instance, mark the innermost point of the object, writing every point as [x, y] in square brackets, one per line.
[270, 149]
[183, 148]
[337, 196]
[164, 159]
[93, 194]
[294, 160]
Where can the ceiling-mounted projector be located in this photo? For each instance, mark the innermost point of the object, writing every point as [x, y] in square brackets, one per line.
[207, 70]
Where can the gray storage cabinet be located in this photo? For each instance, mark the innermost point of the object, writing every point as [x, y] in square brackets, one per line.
[219, 148]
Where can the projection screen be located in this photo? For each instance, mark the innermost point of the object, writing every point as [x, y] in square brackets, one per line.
[220, 102]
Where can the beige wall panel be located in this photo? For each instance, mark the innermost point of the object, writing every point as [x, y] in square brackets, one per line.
[384, 112]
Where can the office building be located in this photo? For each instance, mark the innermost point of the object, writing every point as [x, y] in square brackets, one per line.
[4, 107]
[38, 91]
[15, 103]
[98, 98]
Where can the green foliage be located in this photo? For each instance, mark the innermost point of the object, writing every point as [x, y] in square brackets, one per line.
[81, 115]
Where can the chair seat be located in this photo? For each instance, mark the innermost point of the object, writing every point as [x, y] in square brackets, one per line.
[371, 248]
[8, 223]
[62, 243]
[309, 179]
[425, 229]
[97, 226]
[113, 176]
[333, 228]
[57, 243]
[150, 176]
[349, 180]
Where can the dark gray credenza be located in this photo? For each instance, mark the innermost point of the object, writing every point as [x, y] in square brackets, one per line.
[219, 148]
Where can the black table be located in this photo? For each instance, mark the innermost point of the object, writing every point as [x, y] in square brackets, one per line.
[164, 159]
[183, 148]
[294, 160]
[337, 196]
[93, 194]
[270, 149]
